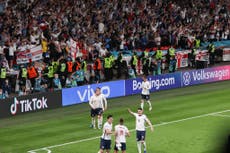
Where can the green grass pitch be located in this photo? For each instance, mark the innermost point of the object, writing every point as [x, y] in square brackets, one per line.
[187, 120]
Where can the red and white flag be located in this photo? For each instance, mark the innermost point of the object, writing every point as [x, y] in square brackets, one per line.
[29, 55]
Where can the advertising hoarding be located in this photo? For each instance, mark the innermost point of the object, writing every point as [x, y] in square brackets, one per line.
[30, 103]
[205, 75]
[82, 94]
[159, 82]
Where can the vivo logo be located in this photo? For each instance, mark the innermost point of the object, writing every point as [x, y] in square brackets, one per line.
[28, 105]
[84, 95]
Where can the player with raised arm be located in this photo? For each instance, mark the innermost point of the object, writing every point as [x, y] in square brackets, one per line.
[105, 143]
[121, 132]
[98, 104]
[145, 93]
[141, 119]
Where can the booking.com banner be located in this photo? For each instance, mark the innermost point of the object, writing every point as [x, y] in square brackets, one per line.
[82, 94]
[205, 75]
[159, 82]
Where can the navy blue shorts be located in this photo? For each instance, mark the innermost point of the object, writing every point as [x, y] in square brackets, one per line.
[123, 147]
[105, 144]
[95, 112]
[145, 97]
[140, 135]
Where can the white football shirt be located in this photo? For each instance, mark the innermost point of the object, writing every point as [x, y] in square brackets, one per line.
[121, 131]
[140, 122]
[98, 101]
[109, 127]
[145, 88]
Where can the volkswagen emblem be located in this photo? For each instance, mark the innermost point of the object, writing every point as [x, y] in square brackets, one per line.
[186, 78]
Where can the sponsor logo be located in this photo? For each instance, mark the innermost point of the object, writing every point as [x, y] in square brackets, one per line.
[155, 83]
[202, 75]
[85, 95]
[28, 105]
[186, 78]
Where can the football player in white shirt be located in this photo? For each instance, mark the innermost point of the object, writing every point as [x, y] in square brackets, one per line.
[105, 143]
[141, 119]
[121, 132]
[98, 104]
[145, 93]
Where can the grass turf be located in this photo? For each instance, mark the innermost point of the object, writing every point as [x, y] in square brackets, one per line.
[200, 135]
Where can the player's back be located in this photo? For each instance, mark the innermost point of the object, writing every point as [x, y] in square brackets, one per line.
[121, 132]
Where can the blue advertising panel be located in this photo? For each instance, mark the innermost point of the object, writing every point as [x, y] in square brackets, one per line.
[159, 82]
[205, 75]
[82, 94]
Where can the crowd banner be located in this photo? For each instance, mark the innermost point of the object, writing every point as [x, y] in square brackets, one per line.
[30, 103]
[82, 94]
[29, 55]
[202, 55]
[205, 75]
[159, 82]
[226, 54]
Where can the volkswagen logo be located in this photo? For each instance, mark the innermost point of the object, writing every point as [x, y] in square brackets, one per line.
[186, 78]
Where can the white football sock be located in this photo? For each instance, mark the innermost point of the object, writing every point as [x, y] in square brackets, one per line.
[100, 120]
[142, 105]
[144, 144]
[150, 105]
[93, 122]
[139, 146]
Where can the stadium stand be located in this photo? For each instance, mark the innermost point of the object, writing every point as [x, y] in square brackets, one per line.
[67, 36]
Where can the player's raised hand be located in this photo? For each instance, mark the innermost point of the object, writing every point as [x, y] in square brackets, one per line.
[129, 110]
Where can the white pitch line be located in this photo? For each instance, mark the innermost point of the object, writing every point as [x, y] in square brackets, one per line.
[221, 115]
[156, 125]
[48, 151]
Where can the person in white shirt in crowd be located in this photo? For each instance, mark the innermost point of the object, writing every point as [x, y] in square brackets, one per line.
[34, 38]
[101, 28]
[145, 93]
[12, 49]
[103, 51]
[105, 142]
[98, 104]
[121, 132]
[141, 119]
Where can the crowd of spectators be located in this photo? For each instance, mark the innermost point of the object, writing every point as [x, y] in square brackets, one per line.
[101, 26]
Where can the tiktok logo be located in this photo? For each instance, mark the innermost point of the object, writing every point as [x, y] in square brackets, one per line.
[28, 105]
[13, 107]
